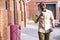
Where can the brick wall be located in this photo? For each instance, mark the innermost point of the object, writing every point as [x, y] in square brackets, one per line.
[2, 4]
[7, 17]
[3, 25]
[4, 29]
[57, 12]
[10, 11]
[32, 8]
[18, 13]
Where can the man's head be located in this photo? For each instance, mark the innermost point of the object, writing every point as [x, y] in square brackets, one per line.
[42, 5]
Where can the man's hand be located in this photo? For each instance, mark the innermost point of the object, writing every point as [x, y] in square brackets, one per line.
[53, 26]
[52, 29]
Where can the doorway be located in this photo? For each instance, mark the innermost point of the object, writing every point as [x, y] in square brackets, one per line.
[52, 7]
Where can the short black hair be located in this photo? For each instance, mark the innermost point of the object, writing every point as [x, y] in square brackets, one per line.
[41, 4]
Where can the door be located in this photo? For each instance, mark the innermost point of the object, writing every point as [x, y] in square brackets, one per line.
[52, 7]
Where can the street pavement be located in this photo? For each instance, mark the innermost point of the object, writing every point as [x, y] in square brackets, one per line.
[30, 32]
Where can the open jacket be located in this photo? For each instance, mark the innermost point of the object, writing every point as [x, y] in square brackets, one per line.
[45, 21]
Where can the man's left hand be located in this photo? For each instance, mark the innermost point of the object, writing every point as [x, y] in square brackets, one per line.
[52, 29]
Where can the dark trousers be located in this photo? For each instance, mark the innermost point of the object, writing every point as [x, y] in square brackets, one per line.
[44, 36]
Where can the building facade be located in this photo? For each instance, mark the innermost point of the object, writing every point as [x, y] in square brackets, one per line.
[11, 12]
[19, 12]
[50, 4]
[3, 21]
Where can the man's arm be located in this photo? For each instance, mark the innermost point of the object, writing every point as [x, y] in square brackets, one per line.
[52, 20]
[36, 20]
[39, 18]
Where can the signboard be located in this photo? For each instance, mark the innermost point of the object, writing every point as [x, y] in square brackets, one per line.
[58, 3]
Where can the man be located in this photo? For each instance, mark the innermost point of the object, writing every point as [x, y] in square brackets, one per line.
[45, 20]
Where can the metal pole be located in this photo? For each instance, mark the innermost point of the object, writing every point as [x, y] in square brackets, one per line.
[15, 12]
[24, 14]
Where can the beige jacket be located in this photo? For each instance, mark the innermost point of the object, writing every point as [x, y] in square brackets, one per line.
[45, 21]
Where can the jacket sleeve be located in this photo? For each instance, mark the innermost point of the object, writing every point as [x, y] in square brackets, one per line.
[37, 15]
[52, 19]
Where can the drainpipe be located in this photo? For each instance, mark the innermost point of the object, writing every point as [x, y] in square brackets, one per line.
[24, 14]
[15, 16]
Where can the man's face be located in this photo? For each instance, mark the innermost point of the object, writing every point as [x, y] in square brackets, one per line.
[44, 6]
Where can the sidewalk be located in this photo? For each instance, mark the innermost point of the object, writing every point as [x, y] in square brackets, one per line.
[31, 33]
